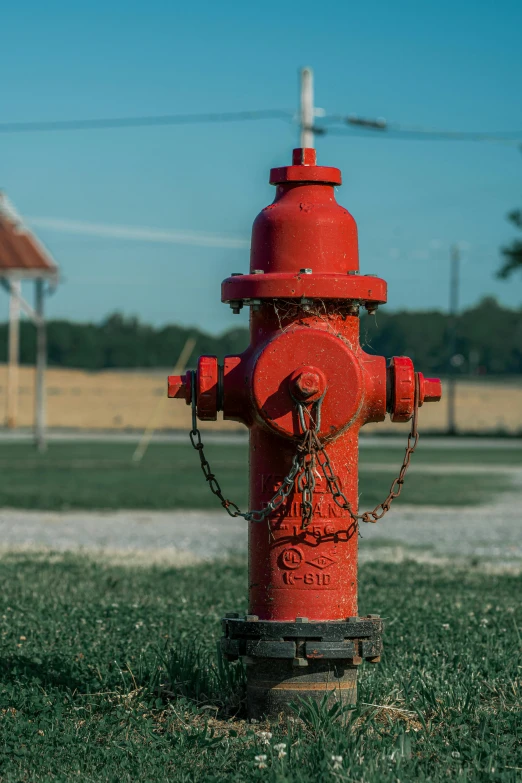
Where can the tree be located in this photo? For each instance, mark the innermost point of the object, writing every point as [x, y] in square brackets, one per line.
[513, 252]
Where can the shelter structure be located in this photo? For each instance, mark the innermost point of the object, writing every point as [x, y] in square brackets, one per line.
[23, 258]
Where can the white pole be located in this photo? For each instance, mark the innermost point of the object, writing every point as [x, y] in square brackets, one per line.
[41, 362]
[14, 353]
[307, 108]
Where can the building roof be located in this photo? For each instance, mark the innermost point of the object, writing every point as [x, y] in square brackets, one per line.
[21, 254]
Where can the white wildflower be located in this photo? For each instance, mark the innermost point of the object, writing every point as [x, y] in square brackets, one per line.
[264, 737]
[456, 754]
[260, 761]
[445, 626]
[337, 762]
[280, 749]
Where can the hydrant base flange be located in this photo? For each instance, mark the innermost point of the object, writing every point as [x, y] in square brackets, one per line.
[355, 638]
[288, 661]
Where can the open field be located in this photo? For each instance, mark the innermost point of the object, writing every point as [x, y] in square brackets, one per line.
[109, 620]
[110, 673]
[131, 400]
[103, 476]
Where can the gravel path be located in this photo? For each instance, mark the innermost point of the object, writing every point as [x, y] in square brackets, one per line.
[490, 534]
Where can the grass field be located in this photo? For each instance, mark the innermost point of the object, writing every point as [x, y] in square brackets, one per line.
[103, 476]
[110, 674]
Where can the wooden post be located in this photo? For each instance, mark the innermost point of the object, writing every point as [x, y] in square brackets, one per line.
[14, 354]
[41, 365]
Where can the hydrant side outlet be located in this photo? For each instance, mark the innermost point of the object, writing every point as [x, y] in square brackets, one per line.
[304, 387]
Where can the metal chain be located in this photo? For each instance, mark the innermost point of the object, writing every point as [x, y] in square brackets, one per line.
[306, 481]
[396, 488]
[230, 507]
[310, 453]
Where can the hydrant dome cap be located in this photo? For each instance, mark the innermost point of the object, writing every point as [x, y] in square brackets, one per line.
[304, 169]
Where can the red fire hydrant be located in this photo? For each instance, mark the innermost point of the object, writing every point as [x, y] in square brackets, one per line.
[304, 387]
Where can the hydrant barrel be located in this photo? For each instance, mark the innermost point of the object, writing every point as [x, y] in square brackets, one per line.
[304, 387]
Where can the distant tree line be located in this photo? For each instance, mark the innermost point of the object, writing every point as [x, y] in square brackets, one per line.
[513, 252]
[489, 341]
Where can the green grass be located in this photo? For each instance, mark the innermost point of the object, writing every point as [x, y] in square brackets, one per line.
[428, 455]
[102, 476]
[88, 651]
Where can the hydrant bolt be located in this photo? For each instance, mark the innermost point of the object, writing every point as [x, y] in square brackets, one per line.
[307, 384]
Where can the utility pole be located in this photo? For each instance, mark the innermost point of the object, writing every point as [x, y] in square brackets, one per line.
[452, 341]
[307, 112]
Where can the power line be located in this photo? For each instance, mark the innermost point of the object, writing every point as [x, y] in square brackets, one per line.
[359, 126]
[380, 128]
[106, 123]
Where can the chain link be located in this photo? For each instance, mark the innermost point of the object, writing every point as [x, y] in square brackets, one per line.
[230, 507]
[306, 480]
[397, 484]
[310, 454]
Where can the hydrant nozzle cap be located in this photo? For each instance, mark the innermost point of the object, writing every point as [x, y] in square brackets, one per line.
[304, 168]
[179, 387]
[430, 389]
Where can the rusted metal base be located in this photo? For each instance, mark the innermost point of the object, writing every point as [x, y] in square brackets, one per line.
[292, 660]
[273, 685]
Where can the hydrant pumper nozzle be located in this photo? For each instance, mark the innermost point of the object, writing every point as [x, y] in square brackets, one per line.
[304, 387]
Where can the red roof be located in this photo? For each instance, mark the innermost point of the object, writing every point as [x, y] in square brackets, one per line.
[20, 250]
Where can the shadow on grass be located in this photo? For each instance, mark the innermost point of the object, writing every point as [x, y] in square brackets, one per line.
[47, 672]
[189, 671]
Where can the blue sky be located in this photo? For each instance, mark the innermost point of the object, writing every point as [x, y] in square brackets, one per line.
[453, 65]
